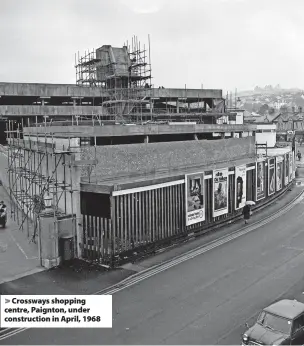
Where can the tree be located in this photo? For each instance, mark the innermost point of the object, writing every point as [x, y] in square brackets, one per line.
[263, 109]
[271, 110]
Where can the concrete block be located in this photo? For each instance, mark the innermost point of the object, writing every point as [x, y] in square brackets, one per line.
[48, 239]
[50, 263]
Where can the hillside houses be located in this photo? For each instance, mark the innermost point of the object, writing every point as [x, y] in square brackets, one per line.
[289, 121]
[285, 120]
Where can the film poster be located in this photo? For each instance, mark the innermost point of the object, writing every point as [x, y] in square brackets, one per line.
[290, 166]
[271, 176]
[220, 192]
[240, 187]
[260, 180]
[286, 169]
[279, 173]
[195, 204]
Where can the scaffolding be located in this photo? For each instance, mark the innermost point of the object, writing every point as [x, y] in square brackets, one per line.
[125, 76]
[86, 69]
[40, 177]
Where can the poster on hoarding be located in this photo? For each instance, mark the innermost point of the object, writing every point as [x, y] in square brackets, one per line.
[240, 187]
[271, 176]
[195, 204]
[293, 164]
[290, 166]
[279, 173]
[287, 169]
[220, 192]
[260, 180]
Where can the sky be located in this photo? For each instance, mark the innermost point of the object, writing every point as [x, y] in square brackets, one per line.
[217, 44]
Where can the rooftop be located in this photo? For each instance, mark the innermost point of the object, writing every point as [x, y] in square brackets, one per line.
[145, 130]
[71, 90]
[286, 308]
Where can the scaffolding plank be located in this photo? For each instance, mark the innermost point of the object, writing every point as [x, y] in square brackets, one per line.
[84, 163]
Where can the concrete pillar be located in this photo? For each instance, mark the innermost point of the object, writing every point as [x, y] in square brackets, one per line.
[146, 140]
[76, 177]
[151, 107]
[222, 135]
[78, 225]
[74, 102]
[42, 102]
[241, 134]
[195, 137]
[177, 106]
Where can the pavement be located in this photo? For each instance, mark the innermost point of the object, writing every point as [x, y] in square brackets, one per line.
[18, 256]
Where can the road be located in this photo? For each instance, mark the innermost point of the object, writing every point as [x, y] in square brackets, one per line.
[205, 300]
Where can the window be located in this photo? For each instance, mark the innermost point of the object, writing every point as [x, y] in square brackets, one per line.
[298, 324]
[274, 322]
[95, 204]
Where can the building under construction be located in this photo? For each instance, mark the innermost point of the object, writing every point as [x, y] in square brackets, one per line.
[67, 166]
[113, 85]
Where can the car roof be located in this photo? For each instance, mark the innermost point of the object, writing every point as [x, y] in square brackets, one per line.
[286, 308]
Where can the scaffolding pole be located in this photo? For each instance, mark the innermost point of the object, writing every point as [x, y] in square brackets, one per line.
[128, 88]
[33, 173]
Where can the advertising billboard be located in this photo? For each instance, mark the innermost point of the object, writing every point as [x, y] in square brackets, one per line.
[286, 175]
[240, 187]
[195, 204]
[290, 166]
[220, 192]
[260, 180]
[279, 173]
[271, 176]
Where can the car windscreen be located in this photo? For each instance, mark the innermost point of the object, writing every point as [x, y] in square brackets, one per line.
[275, 323]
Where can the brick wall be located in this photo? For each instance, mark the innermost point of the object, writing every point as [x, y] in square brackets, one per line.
[133, 159]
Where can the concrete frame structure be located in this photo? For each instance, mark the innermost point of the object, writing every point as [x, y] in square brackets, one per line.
[65, 100]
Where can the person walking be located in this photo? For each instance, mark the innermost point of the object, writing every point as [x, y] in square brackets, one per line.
[299, 155]
[246, 213]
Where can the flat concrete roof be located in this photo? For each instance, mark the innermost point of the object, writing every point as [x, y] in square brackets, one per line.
[72, 90]
[136, 130]
[100, 185]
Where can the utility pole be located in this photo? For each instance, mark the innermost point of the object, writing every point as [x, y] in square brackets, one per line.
[235, 97]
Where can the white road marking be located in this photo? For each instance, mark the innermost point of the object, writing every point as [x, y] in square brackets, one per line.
[19, 246]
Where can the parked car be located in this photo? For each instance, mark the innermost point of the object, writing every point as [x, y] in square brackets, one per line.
[281, 323]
